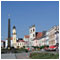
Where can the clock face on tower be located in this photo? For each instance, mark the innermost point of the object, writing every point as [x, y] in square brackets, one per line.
[14, 33]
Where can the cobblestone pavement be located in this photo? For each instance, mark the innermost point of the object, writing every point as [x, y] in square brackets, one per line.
[8, 56]
[15, 56]
[23, 55]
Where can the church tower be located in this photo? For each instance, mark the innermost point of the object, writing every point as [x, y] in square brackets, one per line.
[14, 37]
[32, 32]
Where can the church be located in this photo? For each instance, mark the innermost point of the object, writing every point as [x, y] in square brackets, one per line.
[14, 42]
[12, 39]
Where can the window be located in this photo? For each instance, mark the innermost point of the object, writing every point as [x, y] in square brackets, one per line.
[36, 41]
[18, 44]
[33, 30]
[33, 35]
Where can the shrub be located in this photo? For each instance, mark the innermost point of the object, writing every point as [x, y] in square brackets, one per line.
[26, 50]
[24, 47]
[44, 56]
[35, 47]
[42, 47]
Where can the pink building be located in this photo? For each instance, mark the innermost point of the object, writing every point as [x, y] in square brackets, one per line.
[36, 40]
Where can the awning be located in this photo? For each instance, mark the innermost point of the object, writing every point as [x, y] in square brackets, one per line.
[52, 46]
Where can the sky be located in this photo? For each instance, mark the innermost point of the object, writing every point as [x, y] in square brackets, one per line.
[23, 14]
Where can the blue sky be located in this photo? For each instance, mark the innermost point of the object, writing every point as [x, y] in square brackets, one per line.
[44, 14]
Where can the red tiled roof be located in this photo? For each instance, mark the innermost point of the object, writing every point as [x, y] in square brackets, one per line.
[2, 41]
[11, 38]
[26, 36]
[39, 35]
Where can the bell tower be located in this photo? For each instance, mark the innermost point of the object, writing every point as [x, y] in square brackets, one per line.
[32, 31]
[14, 36]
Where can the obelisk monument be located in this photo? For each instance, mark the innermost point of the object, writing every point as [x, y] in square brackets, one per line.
[9, 33]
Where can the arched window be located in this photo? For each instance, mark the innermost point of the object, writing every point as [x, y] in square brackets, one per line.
[33, 30]
[33, 35]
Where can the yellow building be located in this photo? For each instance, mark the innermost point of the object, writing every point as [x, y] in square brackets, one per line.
[14, 37]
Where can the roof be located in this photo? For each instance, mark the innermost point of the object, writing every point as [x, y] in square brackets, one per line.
[14, 27]
[26, 36]
[38, 35]
[11, 38]
[32, 26]
[2, 41]
[20, 41]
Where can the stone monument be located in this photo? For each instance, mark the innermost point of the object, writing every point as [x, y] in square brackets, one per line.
[9, 33]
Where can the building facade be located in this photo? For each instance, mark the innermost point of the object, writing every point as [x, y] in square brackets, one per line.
[52, 36]
[11, 42]
[26, 38]
[2, 44]
[47, 39]
[14, 37]
[32, 35]
[36, 41]
[20, 43]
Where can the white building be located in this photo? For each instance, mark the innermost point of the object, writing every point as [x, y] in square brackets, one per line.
[36, 41]
[57, 35]
[44, 40]
[6, 42]
[2, 44]
[26, 38]
[32, 31]
[20, 43]
[47, 39]
[32, 34]
[53, 35]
